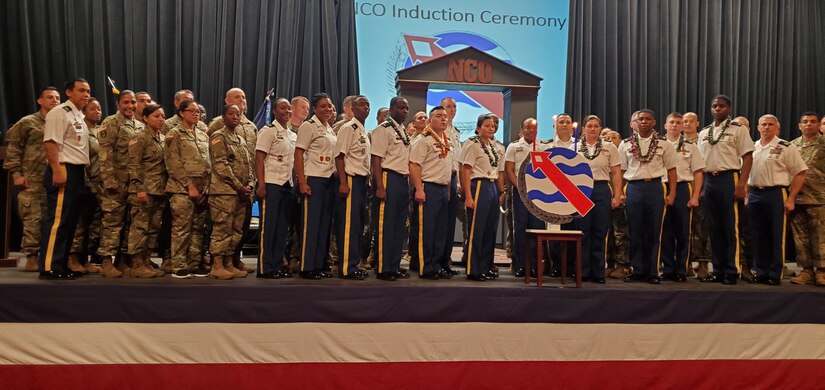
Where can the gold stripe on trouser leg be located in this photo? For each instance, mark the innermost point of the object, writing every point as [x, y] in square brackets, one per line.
[304, 240]
[690, 227]
[661, 227]
[784, 233]
[347, 223]
[736, 223]
[58, 213]
[473, 229]
[261, 234]
[421, 237]
[381, 205]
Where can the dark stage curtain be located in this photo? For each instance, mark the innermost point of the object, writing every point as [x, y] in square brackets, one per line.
[767, 55]
[160, 46]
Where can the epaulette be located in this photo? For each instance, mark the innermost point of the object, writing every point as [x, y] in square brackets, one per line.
[355, 126]
[628, 139]
[386, 123]
[690, 142]
[67, 108]
[735, 123]
[707, 127]
[663, 137]
[547, 141]
[426, 134]
[311, 121]
[474, 138]
[785, 143]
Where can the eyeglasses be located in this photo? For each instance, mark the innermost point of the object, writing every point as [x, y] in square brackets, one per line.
[193, 111]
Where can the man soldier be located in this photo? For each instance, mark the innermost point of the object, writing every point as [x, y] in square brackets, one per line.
[430, 173]
[808, 217]
[699, 238]
[676, 226]
[183, 94]
[618, 244]
[645, 161]
[142, 99]
[300, 112]
[776, 166]
[723, 143]
[66, 143]
[348, 114]
[390, 166]
[352, 159]
[114, 136]
[26, 162]
[247, 130]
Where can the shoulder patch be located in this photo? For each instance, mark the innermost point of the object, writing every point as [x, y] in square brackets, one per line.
[133, 141]
[216, 140]
[784, 143]
[67, 108]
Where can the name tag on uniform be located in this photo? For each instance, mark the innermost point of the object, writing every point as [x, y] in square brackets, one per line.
[685, 153]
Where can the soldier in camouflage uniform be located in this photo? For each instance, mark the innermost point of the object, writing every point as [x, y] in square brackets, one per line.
[87, 234]
[808, 218]
[114, 136]
[180, 96]
[618, 245]
[147, 191]
[230, 190]
[188, 165]
[26, 163]
[700, 236]
[247, 130]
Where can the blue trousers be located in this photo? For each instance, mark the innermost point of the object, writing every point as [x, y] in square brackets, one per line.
[391, 218]
[431, 222]
[350, 220]
[767, 213]
[58, 224]
[524, 253]
[676, 232]
[482, 221]
[594, 227]
[645, 209]
[276, 211]
[722, 217]
[316, 223]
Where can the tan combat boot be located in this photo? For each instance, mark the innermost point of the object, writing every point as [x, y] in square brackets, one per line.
[620, 272]
[92, 268]
[166, 266]
[241, 266]
[140, 269]
[805, 277]
[237, 273]
[108, 270]
[122, 265]
[152, 266]
[747, 275]
[702, 271]
[74, 263]
[218, 272]
[820, 277]
[31, 264]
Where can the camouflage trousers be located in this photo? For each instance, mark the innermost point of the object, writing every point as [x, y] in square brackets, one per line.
[114, 223]
[508, 220]
[188, 227]
[30, 204]
[745, 236]
[700, 236]
[228, 213]
[87, 234]
[145, 225]
[618, 242]
[808, 227]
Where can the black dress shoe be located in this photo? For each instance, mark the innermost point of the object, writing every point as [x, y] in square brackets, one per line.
[773, 282]
[52, 275]
[285, 273]
[402, 274]
[597, 280]
[388, 276]
[633, 278]
[730, 279]
[668, 276]
[477, 278]
[519, 273]
[444, 274]
[354, 276]
[453, 272]
[491, 275]
[555, 273]
[759, 279]
[679, 278]
[325, 274]
[712, 278]
[654, 280]
[269, 275]
[311, 275]
[365, 274]
[430, 276]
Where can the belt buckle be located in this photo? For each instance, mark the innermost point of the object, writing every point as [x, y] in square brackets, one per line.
[714, 173]
[647, 180]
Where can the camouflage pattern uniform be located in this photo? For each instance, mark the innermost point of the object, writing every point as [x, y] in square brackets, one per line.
[187, 161]
[293, 245]
[808, 217]
[147, 171]
[700, 234]
[25, 158]
[232, 171]
[114, 136]
[87, 234]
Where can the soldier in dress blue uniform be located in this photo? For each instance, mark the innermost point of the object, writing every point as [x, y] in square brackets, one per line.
[66, 143]
[723, 143]
[644, 161]
[390, 166]
[431, 174]
[777, 164]
[482, 181]
[314, 168]
[676, 229]
[275, 148]
[352, 163]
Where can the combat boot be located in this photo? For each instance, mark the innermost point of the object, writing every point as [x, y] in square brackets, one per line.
[747, 275]
[140, 269]
[239, 264]
[805, 277]
[237, 273]
[218, 272]
[108, 270]
[152, 266]
[166, 266]
[702, 271]
[31, 264]
[92, 268]
[820, 277]
[620, 272]
[74, 264]
[122, 265]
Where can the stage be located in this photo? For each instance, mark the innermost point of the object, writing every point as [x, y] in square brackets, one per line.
[407, 334]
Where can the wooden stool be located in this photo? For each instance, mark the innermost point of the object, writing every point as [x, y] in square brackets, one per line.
[543, 235]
